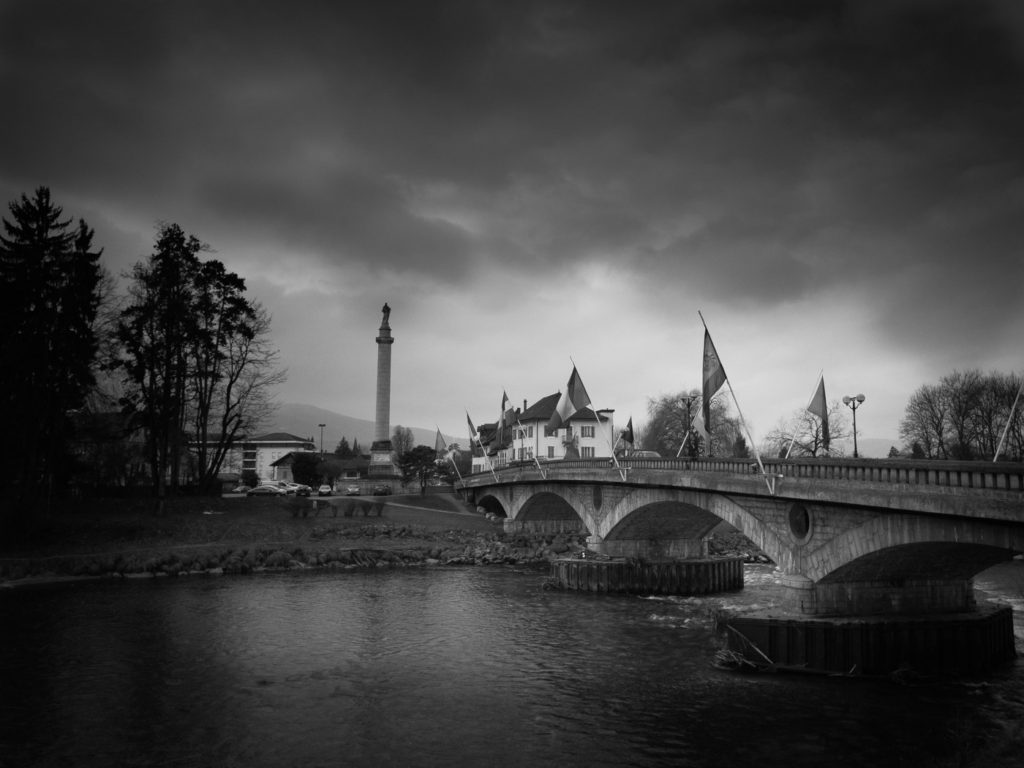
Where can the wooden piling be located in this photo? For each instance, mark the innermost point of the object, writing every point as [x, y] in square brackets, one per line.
[672, 577]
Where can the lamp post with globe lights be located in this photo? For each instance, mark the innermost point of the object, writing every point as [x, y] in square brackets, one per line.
[854, 402]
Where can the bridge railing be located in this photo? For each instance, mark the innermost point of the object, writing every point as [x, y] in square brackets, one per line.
[981, 475]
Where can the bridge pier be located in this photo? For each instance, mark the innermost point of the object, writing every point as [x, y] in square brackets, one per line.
[876, 628]
[950, 643]
[652, 549]
[877, 598]
[667, 577]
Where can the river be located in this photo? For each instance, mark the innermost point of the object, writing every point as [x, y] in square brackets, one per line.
[451, 667]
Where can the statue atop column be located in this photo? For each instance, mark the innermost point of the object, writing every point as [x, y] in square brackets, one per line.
[382, 460]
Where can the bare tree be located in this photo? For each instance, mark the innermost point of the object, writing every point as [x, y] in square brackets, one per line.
[963, 392]
[805, 431]
[964, 417]
[924, 421]
[240, 399]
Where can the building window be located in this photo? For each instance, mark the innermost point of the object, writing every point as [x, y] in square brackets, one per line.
[586, 431]
[529, 431]
[587, 451]
[551, 451]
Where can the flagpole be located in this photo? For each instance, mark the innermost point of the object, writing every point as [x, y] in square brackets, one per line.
[536, 461]
[454, 465]
[486, 457]
[821, 375]
[743, 421]
[686, 437]
[482, 449]
[1009, 420]
[522, 431]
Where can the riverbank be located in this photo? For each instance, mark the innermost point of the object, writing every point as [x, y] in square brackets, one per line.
[238, 534]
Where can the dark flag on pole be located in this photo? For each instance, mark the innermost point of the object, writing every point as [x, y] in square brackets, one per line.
[627, 433]
[819, 408]
[714, 377]
[575, 398]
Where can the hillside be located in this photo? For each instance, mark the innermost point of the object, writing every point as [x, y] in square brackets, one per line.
[304, 420]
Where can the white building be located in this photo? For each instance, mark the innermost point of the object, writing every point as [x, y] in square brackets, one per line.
[260, 453]
[586, 435]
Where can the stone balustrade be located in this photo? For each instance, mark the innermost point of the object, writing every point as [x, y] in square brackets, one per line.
[978, 475]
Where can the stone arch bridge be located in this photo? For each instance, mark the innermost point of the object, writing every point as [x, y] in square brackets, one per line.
[852, 537]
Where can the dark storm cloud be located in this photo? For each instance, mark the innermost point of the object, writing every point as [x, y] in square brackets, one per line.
[793, 139]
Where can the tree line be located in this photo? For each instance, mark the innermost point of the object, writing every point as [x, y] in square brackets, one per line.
[964, 416]
[967, 415]
[183, 358]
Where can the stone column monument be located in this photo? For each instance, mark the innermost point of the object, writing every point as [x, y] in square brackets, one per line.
[382, 459]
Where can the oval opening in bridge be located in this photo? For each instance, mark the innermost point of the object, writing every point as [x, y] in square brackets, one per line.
[799, 521]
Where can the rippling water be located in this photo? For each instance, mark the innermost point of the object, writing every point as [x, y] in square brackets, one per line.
[448, 667]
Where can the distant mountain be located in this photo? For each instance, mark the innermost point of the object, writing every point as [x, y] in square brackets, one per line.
[868, 447]
[305, 420]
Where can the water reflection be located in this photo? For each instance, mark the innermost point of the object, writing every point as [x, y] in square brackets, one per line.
[442, 667]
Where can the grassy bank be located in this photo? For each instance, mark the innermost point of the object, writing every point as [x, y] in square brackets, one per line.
[240, 535]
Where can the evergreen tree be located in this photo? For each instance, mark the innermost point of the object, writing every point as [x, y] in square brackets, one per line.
[49, 278]
[157, 329]
[418, 465]
[196, 356]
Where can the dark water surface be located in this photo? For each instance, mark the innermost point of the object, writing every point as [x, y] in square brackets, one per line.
[450, 667]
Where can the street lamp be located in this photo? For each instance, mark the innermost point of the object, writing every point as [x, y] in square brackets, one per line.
[321, 440]
[854, 402]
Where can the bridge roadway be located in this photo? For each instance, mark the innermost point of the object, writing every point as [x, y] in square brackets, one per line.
[852, 537]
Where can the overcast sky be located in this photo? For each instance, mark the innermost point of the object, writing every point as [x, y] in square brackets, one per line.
[836, 186]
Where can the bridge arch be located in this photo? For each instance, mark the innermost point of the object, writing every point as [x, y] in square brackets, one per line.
[549, 512]
[901, 547]
[699, 511]
[491, 503]
[661, 529]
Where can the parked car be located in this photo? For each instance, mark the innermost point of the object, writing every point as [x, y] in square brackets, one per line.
[265, 490]
[381, 490]
[241, 489]
[303, 490]
[324, 490]
[352, 490]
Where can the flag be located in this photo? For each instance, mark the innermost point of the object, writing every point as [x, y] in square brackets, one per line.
[627, 433]
[714, 377]
[701, 427]
[819, 408]
[440, 446]
[472, 436]
[574, 398]
[503, 420]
